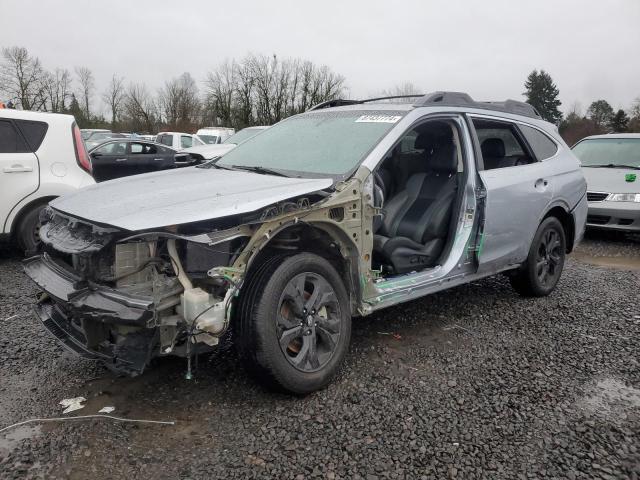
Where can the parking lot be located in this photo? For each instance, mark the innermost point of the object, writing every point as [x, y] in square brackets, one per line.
[471, 382]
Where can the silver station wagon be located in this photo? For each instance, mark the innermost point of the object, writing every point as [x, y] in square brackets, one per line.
[343, 210]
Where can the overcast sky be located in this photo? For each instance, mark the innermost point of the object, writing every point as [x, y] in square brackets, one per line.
[483, 47]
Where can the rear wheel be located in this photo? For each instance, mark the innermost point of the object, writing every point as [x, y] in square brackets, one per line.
[28, 231]
[541, 272]
[294, 323]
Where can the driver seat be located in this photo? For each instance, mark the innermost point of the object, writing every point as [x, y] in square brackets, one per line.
[416, 222]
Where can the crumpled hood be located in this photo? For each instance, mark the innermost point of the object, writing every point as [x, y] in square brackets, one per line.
[174, 197]
[611, 180]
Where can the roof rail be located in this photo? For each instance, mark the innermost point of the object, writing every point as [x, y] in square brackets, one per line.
[449, 99]
[339, 102]
[336, 102]
[461, 99]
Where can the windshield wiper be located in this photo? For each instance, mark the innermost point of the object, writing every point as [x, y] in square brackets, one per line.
[258, 169]
[213, 163]
[613, 165]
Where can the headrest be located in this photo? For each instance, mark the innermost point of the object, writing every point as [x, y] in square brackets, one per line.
[444, 159]
[493, 148]
[437, 134]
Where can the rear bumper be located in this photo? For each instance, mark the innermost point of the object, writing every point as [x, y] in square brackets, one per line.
[621, 216]
[92, 321]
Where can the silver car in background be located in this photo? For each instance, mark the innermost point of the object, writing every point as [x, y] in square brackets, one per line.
[611, 165]
[348, 208]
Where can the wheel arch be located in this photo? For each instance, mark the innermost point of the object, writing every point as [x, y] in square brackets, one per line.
[40, 201]
[322, 238]
[563, 214]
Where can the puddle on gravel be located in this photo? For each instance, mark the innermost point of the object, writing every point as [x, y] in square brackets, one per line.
[10, 439]
[622, 263]
[611, 397]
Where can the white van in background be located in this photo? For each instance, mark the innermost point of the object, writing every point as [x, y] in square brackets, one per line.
[42, 156]
[214, 135]
[178, 140]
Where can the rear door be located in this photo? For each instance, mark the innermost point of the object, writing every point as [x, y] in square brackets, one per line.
[518, 191]
[19, 171]
[148, 157]
[110, 161]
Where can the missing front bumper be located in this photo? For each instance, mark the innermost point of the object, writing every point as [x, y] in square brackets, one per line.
[95, 322]
[129, 355]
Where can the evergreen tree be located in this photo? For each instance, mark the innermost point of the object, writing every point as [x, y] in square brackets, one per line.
[77, 112]
[620, 121]
[601, 113]
[542, 94]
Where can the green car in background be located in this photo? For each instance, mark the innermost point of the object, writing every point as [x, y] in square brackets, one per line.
[611, 165]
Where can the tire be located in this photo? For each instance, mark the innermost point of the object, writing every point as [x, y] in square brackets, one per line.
[27, 234]
[540, 273]
[293, 324]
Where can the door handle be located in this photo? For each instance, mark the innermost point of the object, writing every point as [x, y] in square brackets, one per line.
[121, 159]
[17, 169]
[158, 159]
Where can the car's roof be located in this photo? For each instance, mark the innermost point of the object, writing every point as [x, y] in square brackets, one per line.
[407, 107]
[440, 102]
[131, 140]
[35, 116]
[613, 136]
[174, 133]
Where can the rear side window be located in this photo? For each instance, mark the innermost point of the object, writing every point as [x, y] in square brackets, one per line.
[10, 139]
[501, 145]
[185, 141]
[143, 148]
[543, 147]
[33, 132]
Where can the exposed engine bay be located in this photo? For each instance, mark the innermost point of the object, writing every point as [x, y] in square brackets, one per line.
[126, 298]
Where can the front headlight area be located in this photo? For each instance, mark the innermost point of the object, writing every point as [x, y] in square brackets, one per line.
[624, 197]
[189, 303]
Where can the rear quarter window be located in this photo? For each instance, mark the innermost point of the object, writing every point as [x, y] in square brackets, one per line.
[10, 139]
[543, 147]
[33, 132]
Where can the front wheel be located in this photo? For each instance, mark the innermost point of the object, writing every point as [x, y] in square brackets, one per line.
[294, 323]
[540, 273]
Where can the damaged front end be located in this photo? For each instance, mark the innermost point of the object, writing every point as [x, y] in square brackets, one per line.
[125, 299]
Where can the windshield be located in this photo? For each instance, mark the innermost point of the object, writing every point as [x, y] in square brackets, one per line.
[609, 151]
[243, 135]
[208, 139]
[317, 143]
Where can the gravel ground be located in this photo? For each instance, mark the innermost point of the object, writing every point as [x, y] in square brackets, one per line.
[474, 382]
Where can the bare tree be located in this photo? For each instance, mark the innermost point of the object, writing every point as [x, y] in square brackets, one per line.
[22, 78]
[180, 102]
[261, 89]
[87, 86]
[114, 96]
[57, 86]
[140, 109]
[222, 86]
[407, 88]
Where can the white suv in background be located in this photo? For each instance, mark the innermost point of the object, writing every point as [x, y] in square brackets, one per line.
[177, 140]
[42, 156]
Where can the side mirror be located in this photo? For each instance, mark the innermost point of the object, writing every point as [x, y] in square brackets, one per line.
[96, 154]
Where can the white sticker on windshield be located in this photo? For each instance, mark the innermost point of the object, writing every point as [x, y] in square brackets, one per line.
[378, 118]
